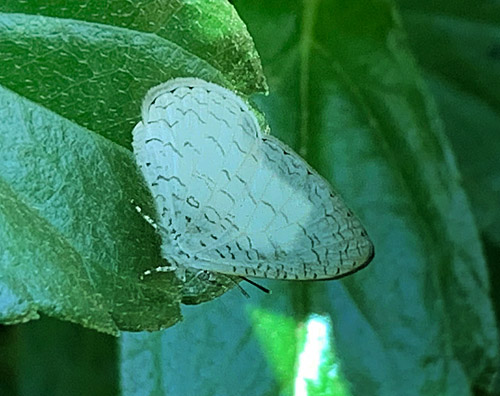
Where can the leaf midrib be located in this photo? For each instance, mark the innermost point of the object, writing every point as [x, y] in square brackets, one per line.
[306, 41]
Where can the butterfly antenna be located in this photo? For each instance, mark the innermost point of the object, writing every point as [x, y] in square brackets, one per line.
[243, 291]
[260, 287]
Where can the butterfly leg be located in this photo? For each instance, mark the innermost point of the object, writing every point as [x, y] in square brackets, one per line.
[180, 273]
[204, 275]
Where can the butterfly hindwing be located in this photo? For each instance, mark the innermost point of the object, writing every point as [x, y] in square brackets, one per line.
[235, 201]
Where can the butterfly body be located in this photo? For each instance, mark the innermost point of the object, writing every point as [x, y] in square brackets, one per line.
[233, 200]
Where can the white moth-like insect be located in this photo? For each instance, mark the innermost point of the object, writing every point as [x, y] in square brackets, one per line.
[232, 200]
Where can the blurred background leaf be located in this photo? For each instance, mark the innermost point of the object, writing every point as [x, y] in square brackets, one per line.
[347, 93]
[73, 76]
[457, 45]
[48, 357]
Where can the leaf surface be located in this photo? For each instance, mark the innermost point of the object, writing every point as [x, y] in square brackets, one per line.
[72, 78]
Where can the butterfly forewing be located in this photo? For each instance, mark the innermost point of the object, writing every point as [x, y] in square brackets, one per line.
[235, 201]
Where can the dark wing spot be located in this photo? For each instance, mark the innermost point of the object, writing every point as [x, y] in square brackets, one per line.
[192, 202]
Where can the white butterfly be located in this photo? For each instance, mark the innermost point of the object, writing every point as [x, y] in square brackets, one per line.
[232, 200]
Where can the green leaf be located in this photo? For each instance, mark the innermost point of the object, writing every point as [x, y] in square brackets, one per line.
[277, 335]
[70, 235]
[346, 92]
[92, 62]
[213, 351]
[55, 358]
[72, 79]
[366, 121]
[458, 46]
